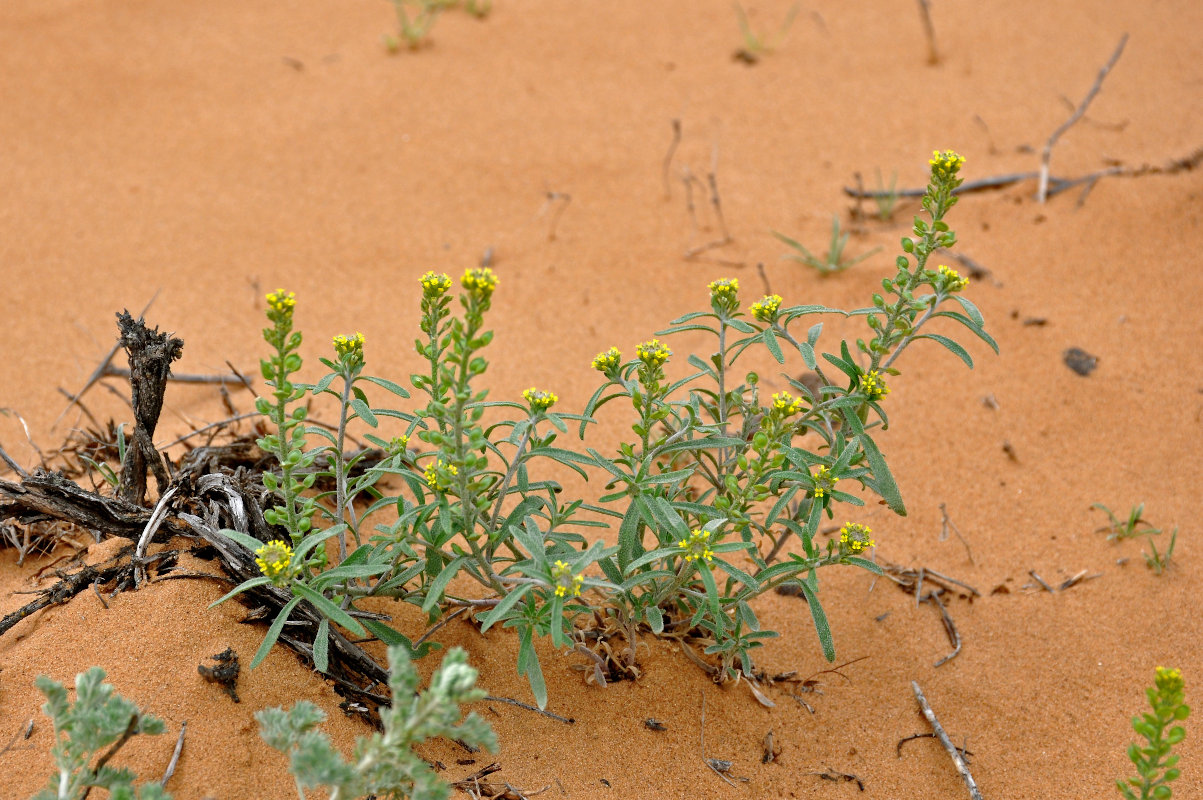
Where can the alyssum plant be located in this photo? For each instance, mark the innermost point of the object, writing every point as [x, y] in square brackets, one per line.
[715, 483]
[1156, 762]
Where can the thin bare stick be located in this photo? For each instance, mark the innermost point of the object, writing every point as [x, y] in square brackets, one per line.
[1047, 154]
[957, 760]
[668, 157]
[933, 56]
[210, 426]
[556, 202]
[148, 533]
[768, 290]
[98, 373]
[948, 523]
[953, 636]
[536, 709]
[1040, 580]
[13, 465]
[175, 755]
[439, 624]
[121, 372]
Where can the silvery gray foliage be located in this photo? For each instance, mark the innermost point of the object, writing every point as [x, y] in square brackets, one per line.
[384, 765]
[97, 721]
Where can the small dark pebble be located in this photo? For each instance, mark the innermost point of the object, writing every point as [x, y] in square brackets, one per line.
[1080, 361]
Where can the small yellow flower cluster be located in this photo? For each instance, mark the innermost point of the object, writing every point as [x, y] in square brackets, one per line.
[435, 285]
[539, 400]
[273, 558]
[608, 361]
[398, 444]
[349, 346]
[439, 474]
[766, 309]
[565, 581]
[953, 281]
[280, 304]
[854, 538]
[824, 482]
[480, 281]
[697, 546]
[786, 405]
[945, 165]
[724, 294]
[873, 385]
[1169, 680]
[652, 353]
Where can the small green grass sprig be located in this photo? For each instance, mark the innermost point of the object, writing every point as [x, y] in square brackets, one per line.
[833, 260]
[757, 44]
[1134, 526]
[1156, 764]
[98, 722]
[886, 197]
[384, 764]
[413, 24]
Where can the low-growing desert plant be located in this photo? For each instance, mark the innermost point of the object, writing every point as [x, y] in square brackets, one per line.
[415, 18]
[717, 480]
[1155, 763]
[886, 197]
[384, 765]
[833, 260]
[99, 722]
[1135, 526]
[757, 44]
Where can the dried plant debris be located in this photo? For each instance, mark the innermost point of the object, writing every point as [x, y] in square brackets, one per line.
[1080, 361]
[224, 673]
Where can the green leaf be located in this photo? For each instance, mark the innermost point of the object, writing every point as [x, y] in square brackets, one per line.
[499, 611]
[321, 647]
[712, 599]
[329, 608]
[242, 587]
[970, 309]
[384, 383]
[882, 475]
[629, 546]
[273, 633]
[434, 592]
[952, 346]
[655, 619]
[738, 574]
[363, 412]
[247, 541]
[528, 664]
[770, 341]
[822, 628]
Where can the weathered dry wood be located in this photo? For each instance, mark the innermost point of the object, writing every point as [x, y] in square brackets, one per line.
[150, 356]
[48, 495]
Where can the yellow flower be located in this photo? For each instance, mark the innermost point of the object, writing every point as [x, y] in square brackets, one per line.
[766, 308]
[953, 282]
[945, 165]
[608, 361]
[724, 294]
[479, 281]
[824, 482]
[349, 347]
[854, 538]
[566, 583]
[873, 385]
[1169, 680]
[439, 474]
[652, 353]
[273, 559]
[786, 405]
[539, 400]
[280, 305]
[398, 445]
[697, 546]
[435, 285]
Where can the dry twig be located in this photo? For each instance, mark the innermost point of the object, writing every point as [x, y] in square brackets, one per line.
[1046, 154]
[957, 760]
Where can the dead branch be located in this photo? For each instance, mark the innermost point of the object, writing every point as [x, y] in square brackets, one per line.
[957, 759]
[668, 158]
[933, 56]
[1047, 153]
[150, 356]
